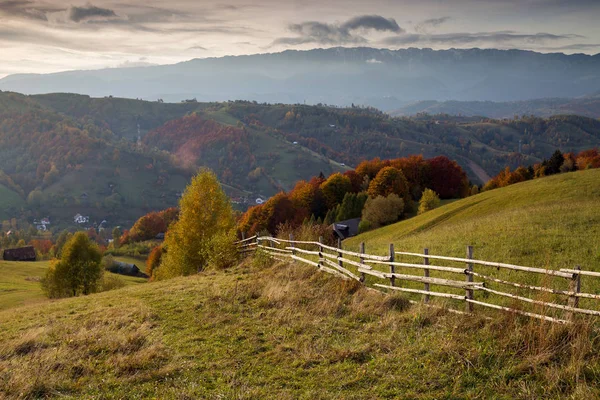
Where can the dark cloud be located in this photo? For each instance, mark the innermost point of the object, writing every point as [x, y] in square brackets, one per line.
[337, 34]
[430, 23]
[27, 9]
[78, 14]
[471, 38]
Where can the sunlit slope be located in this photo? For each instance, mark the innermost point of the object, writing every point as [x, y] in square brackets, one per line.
[552, 222]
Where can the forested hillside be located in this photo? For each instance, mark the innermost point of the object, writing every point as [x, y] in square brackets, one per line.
[117, 159]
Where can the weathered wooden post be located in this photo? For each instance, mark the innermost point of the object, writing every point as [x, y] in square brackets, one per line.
[340, 255]
[321, 257]
[469, 289]
[426, 273]
[392, 266]
[361, 250]
[575, 288]
[292, 244]
[243, 236]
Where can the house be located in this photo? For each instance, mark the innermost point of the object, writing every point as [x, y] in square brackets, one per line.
[84, 196]
[346, 229]
[126, 269]
[80, 219]
[26, 253]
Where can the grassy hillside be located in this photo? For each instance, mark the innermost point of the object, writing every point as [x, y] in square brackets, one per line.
[20, 282]
[552, 222]
[285, 332]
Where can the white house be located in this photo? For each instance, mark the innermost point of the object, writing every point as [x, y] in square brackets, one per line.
[80, 219]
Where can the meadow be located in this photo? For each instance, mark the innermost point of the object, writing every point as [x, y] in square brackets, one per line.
[20, 282]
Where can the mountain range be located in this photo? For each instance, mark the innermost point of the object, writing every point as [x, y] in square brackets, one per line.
[386, 79]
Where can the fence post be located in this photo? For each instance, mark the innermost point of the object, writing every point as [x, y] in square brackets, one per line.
[392, 266]
[426, 273]
[469, 292]
[321, 257]
[292, 244]
[340, 255]
[243, 236]
[574, 286]
[361, 250]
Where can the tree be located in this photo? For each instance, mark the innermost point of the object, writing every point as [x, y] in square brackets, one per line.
[62, 239]
[554, 163]
[351, 206]
[429, 201]
[77, 272]
[447, 178]
[380, 211]
[153, 261]
[389, 180]
[335, 188]
[116, 236]
[205, 212]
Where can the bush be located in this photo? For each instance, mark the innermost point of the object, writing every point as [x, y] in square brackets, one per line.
[107, 262]
[110, 282]
[429, 201]
[221, 251]
[382, 211]
[364, 226]
[77, 272]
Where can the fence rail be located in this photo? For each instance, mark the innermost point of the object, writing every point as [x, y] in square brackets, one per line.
[362, 266]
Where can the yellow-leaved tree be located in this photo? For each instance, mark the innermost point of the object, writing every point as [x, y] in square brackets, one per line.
[204, 233]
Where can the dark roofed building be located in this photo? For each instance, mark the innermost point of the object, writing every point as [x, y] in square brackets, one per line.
[20, 254]
[346, 229]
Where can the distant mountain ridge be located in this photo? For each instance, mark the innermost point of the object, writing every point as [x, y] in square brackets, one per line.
[387, 79]
[588, 106]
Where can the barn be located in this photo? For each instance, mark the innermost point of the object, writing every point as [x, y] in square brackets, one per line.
[20, 254]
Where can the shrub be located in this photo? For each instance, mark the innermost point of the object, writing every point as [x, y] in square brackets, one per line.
[108, 261]
[221, 250]
[364, 226]
[429, 201]
[154, 260]
[382, 211]
[110, 282]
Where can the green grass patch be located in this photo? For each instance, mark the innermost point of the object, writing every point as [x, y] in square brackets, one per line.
[20, 282]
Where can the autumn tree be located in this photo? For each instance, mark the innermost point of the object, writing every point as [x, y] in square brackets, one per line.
[205, 213]
[153, 261]
[447, 178]
[78, 271]
[429, 201]
[389, 180]
[335, 188]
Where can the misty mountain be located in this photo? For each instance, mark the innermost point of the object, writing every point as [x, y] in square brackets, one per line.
[588, 106]
[387, 79]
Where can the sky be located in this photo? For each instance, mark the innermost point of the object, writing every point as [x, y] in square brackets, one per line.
[43, 36]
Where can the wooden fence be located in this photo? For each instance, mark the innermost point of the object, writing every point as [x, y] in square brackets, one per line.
[558, 295]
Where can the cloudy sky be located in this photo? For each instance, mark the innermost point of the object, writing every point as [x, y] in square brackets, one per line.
[53, 35]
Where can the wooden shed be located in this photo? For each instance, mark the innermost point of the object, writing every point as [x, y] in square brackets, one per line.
[26, 253]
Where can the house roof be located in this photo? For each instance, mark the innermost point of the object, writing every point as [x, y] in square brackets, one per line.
[20, 254]
[346, 229]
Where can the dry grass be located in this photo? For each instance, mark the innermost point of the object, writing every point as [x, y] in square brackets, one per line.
[285, 331]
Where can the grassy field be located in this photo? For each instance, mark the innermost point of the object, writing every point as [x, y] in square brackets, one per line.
[20, 282]
[287, 332]
[552, 222]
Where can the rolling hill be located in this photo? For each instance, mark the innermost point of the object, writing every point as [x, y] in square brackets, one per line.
[550, 223]
[382, 78]
[117, 159]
